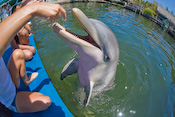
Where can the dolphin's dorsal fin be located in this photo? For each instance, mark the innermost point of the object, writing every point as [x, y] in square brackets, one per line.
[88, 91]
[70, 68]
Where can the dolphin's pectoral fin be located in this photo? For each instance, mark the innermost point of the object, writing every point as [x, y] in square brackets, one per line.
[88, 91]
[70, 68]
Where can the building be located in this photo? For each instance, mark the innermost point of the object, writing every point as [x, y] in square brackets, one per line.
[166, 16]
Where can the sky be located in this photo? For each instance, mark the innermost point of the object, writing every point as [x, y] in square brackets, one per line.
[166, 3]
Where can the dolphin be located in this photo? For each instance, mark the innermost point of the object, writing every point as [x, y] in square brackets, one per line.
[98, 54]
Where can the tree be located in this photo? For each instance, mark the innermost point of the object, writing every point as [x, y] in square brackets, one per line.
[146, 4]
[172, 12]
[167, 8]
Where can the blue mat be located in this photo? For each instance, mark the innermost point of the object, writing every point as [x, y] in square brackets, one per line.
[41, 84]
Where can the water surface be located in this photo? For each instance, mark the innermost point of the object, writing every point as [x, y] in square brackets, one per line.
[144, 84]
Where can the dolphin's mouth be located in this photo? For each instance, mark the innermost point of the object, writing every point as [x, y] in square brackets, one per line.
[84, 22]
[87, 38]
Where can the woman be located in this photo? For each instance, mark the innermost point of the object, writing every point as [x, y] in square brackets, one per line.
[21, 41]
[25, 101]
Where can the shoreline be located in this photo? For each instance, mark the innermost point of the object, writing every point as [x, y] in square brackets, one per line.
[168, 29]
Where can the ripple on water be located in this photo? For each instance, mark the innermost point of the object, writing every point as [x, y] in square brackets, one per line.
[144, 83]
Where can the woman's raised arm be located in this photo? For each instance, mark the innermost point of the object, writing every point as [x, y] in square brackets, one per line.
[10, 26]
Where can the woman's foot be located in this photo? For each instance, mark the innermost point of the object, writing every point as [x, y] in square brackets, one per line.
[29, 79]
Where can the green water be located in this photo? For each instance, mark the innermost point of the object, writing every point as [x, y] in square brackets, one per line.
[144, 84]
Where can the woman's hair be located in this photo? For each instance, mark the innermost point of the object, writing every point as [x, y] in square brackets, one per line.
[16, 39]
[16, 7]
[13, 9]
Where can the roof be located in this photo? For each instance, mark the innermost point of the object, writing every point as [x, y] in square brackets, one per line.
[166, 14]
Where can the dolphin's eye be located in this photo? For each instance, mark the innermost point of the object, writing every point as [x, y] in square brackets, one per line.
[107, 58]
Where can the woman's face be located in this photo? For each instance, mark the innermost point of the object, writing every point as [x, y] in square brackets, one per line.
[23, 36]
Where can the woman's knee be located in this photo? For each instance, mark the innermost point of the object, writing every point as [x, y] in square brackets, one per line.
[47, 101]
[28, 55]
[18, 54]
[31, 102]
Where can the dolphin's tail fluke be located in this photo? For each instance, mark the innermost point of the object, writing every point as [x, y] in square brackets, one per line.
[88, 91]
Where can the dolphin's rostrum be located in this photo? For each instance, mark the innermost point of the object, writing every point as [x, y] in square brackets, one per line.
[98, 54]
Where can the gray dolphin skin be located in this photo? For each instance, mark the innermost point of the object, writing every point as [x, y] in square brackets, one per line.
[98, 54]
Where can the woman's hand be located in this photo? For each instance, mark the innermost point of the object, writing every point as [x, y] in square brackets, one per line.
[32, 49]
[11, 25]
[48, 10]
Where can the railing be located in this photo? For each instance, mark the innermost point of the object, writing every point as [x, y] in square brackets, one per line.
[6, 7]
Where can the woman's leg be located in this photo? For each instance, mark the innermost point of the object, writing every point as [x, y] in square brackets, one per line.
[17, 68]
[31, 102]
[28, 54]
